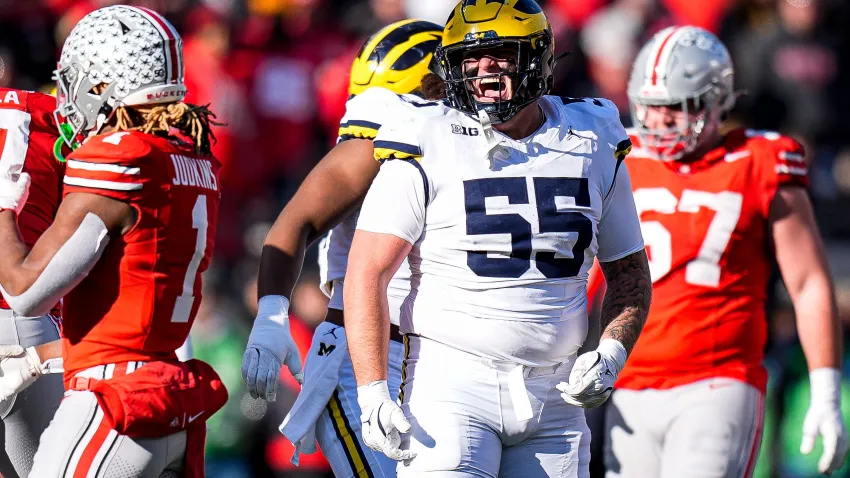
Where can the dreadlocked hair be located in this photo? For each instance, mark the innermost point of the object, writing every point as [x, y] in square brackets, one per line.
[190, 120]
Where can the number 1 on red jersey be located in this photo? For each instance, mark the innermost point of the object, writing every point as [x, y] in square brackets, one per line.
[183, 306]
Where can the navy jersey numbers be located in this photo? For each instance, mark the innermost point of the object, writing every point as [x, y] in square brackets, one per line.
[547, 192]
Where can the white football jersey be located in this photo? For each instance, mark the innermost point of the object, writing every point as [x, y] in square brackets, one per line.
[364, 116]
[503, 242]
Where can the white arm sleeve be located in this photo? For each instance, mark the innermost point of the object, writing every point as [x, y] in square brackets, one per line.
[68, 267]
[396, 201]
[619, 228]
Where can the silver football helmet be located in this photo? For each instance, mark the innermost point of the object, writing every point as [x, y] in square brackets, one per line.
[134, 55]
[681, 67]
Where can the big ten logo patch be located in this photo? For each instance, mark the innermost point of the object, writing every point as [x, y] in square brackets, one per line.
[458, 129]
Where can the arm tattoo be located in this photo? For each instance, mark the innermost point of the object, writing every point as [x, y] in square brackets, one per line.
[626, 302]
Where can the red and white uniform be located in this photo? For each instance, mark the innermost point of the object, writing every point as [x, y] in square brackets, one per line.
[137, 304]
[27, 134]
[706, 229]
[705, 225]
[139, 301]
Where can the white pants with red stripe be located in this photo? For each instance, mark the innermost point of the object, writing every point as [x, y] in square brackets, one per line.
[79, 443]
[26, 415]
[707, 429]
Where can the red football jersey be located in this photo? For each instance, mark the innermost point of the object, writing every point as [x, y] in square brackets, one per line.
[140, 299]
[27, 134]
[706, 229]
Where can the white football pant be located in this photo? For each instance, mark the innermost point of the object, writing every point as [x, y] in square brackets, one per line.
[472, 417]
[26, 415]
[707, 429]
[79, 442]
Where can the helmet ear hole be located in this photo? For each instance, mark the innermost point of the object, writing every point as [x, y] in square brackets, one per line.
[97, 89]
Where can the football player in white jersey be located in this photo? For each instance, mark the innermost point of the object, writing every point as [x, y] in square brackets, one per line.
[500, 205]
[391, 65]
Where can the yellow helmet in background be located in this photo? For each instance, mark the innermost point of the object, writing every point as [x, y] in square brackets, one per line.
[395, 58]
[518, 26]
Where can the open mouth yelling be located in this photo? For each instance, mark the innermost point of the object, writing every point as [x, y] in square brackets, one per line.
[493, 89]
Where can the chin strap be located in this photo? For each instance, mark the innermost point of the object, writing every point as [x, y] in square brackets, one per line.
[493, 144]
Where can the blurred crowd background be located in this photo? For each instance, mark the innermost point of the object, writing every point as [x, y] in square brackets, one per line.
[277, 72]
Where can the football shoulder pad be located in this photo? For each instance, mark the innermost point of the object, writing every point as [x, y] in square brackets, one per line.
[115, 165]
[783, 156]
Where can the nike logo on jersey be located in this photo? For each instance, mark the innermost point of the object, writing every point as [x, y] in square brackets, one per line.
[193, 172]
[195, 417]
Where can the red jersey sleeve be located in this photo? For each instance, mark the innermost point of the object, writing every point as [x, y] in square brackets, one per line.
[790, 166]
[782, 160]
[114, 165]
[596, 285]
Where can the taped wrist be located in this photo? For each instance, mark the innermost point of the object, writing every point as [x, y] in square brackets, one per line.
[68, 267]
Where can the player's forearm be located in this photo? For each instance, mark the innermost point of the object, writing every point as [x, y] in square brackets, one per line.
[14, 276]
[284, 249]
[817, 322]
[627, 299]
[307, 217]
[367, 325]
[50, 350]
[282, 259]
[802, 262]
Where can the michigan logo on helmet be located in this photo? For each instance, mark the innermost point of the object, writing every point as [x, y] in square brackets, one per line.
[395, 58]
[518, 27]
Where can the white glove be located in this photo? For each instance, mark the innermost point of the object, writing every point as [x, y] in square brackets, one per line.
[270, 345]
[824, 418]
[593, 375]
[19, 368]
[382, 421]
[14, 191]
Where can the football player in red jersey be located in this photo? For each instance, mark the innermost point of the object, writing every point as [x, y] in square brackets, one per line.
[27, 136]
[716, 210]
[126, 250]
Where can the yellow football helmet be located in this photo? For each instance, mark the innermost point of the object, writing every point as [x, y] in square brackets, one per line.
[395, 58]
[514, 25]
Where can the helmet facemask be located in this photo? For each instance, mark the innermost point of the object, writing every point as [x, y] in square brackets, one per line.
[81, 107]
[511, 89]
[702, 114]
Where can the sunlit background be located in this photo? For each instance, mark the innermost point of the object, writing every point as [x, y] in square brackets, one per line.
[277, 72]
